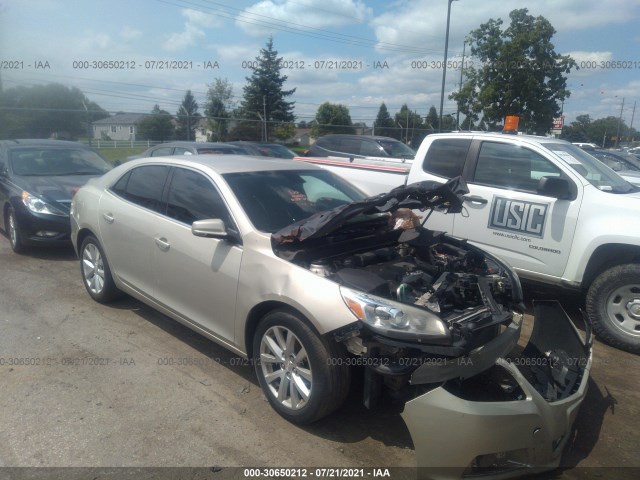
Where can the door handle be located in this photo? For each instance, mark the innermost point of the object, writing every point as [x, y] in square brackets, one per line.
[162, 243]
[475, 199]
[108, 217]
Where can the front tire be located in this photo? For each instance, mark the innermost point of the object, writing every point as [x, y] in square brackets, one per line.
[300, 373]
[13, 232]
[613, 306]
[95, 271]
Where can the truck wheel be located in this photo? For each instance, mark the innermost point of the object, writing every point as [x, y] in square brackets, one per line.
[613, 306]
[296, 370]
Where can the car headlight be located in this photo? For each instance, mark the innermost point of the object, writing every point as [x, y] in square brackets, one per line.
[37, 205]
[396, 320]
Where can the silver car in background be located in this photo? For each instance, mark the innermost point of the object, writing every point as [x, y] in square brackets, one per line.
[290, 266]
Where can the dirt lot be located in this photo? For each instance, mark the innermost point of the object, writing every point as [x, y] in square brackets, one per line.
[123, 386]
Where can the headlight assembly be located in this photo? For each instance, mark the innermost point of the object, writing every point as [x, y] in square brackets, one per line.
[37, 205]
[396, 320]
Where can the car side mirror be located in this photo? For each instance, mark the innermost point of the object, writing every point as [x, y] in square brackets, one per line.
[215, 228]
[557, 187]
[210, 228]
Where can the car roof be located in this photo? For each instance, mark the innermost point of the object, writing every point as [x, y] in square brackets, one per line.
[42, 142]
[502, 136]
[187, 143]
[348, 135]
[223, 164]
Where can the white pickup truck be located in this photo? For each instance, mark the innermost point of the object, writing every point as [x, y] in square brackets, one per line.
[553, 212]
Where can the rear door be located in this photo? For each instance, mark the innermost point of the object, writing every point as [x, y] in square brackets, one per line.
[128, 215]
[506, 216]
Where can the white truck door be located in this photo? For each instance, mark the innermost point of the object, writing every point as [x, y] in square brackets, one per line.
[505, 215]
[439, 160]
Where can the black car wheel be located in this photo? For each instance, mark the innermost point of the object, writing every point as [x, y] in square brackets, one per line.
[96, 274]
[15, 238]
[295, 368]
[613, 306]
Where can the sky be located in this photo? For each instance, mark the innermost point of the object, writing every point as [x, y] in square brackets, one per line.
[353, 52]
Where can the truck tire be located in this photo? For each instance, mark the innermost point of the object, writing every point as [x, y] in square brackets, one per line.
[613, 306]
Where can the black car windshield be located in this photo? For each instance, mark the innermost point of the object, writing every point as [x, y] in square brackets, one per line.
[50, 161]
[598, 174]
[397, 149]
[275, 199]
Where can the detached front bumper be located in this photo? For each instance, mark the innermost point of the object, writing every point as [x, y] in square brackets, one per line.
[459, 436]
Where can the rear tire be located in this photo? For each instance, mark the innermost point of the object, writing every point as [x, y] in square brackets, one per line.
[95, 271]
[300, 373]
[613, 306]
[13, 232]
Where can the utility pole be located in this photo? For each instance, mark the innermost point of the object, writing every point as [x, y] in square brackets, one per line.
[444, 66]
[460, 88]
[619, 122]
[264, 111]
[633, 114]
[89, 133]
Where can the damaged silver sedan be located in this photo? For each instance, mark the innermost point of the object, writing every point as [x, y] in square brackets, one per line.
[292, 267]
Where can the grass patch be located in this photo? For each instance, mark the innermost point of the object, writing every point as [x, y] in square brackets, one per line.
[113, 154]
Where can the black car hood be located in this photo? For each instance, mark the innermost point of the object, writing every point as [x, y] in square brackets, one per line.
[58, 190]
[425, 195]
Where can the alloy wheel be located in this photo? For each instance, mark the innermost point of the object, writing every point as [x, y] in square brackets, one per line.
[93, 268]
[285, 367]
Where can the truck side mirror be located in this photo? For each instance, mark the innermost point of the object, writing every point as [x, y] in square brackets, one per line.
[556, 187]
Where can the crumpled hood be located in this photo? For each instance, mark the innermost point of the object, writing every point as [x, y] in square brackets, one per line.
[425, 195]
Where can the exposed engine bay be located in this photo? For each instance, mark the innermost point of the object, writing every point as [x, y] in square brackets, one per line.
[431, 310]
[443, 278]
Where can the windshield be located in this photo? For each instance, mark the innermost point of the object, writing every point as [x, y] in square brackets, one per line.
[56, 161]
[397, 149]
[598, 174]
[275, 199]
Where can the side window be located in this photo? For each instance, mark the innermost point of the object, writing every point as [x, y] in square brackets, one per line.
[372, 149]
[512, 167]
[181, 151]
[348, 145]
[193, 197]
[143, 186]
[446, 157]
[163, 151]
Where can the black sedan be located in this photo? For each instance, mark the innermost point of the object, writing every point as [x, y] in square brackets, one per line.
[38, 178]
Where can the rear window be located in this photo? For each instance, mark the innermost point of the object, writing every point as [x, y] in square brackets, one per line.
[143, 186]
[446, 157]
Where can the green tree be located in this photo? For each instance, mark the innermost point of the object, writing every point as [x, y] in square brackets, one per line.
[432, 122]
[187, 118]
[44, 111]
[578, 130]
[264, 105]
[384, 124]
[218, 108]
[412, 128]
[332, 118]
[520, 73]
[157, 126]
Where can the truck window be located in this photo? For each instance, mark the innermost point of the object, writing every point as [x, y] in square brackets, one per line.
[512, 167]
[446, 157]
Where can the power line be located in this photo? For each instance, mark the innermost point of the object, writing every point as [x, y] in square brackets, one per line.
[295, 28]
